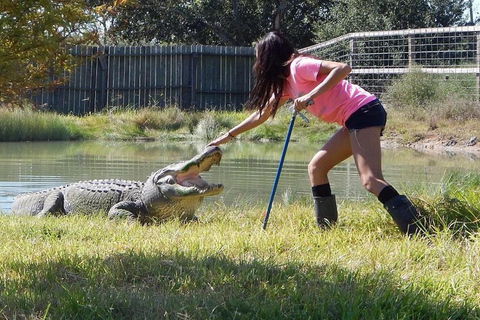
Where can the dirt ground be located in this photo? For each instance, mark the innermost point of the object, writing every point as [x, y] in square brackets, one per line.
[435, 145]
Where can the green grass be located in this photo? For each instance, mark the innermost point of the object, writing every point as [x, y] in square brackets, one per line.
[455, 207]
[226, 267]
[443, 117]
[29, 125]
[26, 124]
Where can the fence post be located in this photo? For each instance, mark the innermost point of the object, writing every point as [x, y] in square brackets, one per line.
[193, 76]
[352, 51]
[185, 81]
[478, 67]
[410, 53]
[101, 89]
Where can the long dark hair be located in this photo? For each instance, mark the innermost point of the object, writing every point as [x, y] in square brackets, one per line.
[273, 56]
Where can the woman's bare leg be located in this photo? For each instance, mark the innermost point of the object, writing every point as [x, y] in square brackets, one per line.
[332, 153]
[366, 150]
[335, 150]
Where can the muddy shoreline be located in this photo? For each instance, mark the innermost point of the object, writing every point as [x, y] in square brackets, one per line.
[471, 146]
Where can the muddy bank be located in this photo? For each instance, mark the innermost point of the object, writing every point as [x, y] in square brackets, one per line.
[437, 145]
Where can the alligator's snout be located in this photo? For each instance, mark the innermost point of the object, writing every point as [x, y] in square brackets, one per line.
[180, 186]
[183, 179]
[190, 170]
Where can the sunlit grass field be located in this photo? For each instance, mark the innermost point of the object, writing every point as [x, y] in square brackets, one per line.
[226, 267]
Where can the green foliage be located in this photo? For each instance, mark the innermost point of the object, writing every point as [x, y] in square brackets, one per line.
[33, 42]
[30, 125]
[215, 22]
[27, 124]
[270, 132]
[208, 127]
[415, 90]
[433, 97]
[169, 119]
[374, 15]
[241, 23]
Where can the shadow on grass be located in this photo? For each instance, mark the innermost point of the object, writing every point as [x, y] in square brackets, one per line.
[155, 286]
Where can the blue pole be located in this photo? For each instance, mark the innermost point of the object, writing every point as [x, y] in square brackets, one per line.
[279, 170]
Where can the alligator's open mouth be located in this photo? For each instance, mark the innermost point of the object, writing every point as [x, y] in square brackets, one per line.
[183, 179]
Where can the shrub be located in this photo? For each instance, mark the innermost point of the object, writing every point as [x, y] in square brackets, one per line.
[429, 96]
[208, 127]
[413, 90]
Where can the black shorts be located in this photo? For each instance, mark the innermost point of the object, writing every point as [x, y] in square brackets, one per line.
[372, 114]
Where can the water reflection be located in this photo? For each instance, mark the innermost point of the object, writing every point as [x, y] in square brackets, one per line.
[247, 169]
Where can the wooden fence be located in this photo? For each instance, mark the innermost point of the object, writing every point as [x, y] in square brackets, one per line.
[192, 76]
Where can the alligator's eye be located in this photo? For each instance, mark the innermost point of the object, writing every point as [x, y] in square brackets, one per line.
[170, 180]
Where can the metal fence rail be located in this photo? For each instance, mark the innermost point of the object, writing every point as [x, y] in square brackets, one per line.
[378, 58]
[195, 76]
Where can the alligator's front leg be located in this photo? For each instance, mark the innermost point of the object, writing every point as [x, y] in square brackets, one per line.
[130, 210]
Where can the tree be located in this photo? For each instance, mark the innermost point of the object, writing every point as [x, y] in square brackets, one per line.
[445, 13]
[33, 42]
[104, 15]
[345, 16]
[217, 22]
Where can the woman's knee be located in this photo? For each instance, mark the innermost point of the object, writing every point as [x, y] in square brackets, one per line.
[317, 168]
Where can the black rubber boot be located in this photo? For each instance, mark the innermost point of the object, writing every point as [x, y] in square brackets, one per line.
[325, 211]
[404, 214]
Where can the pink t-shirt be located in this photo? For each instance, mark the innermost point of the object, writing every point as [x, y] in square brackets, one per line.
[335, 105]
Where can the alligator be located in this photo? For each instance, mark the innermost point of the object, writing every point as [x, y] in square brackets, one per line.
[174, 191]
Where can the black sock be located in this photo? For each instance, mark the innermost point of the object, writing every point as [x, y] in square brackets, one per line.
[387, 193]
[322, 190]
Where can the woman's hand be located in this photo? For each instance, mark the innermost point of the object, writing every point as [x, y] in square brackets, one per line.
[224, 138]
[302, 102]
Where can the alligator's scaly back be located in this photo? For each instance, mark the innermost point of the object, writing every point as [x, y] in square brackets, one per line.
[174, 191]
[86, 197]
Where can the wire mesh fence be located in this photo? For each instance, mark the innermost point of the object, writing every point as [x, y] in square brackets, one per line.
[379, 58]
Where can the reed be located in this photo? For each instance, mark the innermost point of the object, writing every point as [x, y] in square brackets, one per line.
[405, 125]
[29, 125]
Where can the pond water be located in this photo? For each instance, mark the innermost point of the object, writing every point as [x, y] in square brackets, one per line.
[247, 169]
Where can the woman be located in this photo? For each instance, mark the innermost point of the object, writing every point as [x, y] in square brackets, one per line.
[319, 87]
